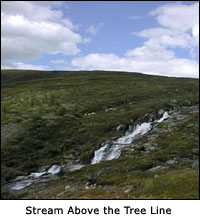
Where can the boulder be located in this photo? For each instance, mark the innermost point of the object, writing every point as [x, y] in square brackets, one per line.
[157, 168]
[161, 112]
[195, 164]
[67, 187]
[172, 161]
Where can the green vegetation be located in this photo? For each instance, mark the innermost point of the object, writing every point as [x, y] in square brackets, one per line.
[46, 119]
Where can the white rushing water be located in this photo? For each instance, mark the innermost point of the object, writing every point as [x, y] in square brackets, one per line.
[23, 182]
[165, 116]
[112, 150]
[54, 170]
[21, 185]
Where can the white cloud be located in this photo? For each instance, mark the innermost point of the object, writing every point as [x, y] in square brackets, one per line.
[24, 66]
[32, 29]
[151, 50]
[195, 33]
[156, 56]
[166, 67]
[168, 37]
[177, 16]
[180, 26]
[94, 29]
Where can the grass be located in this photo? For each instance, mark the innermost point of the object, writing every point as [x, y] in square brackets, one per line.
[46, 118]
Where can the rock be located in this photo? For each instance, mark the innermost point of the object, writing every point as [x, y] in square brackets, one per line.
[158, 168]
[67, 187]
[195, 164]
[44, 168]
[93, 186]
[91, 113]
[99, 172]
[141, 148]
[19, 178]
[77, 153]
[152, 117]
[88, 185]
[121, 127]
[161, 112]
[188, 102]
[127, 190]
[110, 109]
[76, 167]
[62, 193]
[185, 161]
[190, 126]
[70, 157]
[91, 180]
[195, 151]
[172, 161]
[174, 101]
[151, 148]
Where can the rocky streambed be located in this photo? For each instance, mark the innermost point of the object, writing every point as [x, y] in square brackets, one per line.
[44, 175]
[111, 149]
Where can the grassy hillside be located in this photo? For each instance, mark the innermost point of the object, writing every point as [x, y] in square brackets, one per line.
[46, 119]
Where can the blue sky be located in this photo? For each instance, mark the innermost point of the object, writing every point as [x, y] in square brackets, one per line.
[152, 37]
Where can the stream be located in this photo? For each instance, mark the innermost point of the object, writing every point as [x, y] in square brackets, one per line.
[112, 149]
[109, 150]
[22, 182]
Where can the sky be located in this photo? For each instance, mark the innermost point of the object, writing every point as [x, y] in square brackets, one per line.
[151, 37]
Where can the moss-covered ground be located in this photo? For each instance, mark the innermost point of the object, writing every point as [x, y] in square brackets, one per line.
[46, 119]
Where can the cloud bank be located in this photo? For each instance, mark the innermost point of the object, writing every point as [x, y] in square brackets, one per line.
[32, 29]
[178, 27]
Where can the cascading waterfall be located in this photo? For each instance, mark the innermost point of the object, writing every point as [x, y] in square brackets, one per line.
[112, 149]
[52, 172]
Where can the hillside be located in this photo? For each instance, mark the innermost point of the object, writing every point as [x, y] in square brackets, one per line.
[61, 118]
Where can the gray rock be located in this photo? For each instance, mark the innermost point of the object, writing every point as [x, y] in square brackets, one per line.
[188, 102]
[19, 178]
[141, 148]
[157, 168]
[195, 164]
[172, 161]
[44, 168]
[76, 167]
[190, 126]
[161, 112]
[70, 157]
[77, 153]
[122, 127]
[67, 187]
[62, 193]
[174, 101]
[88, 185]
[195, 151]
[129, 190]
[151, 148]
